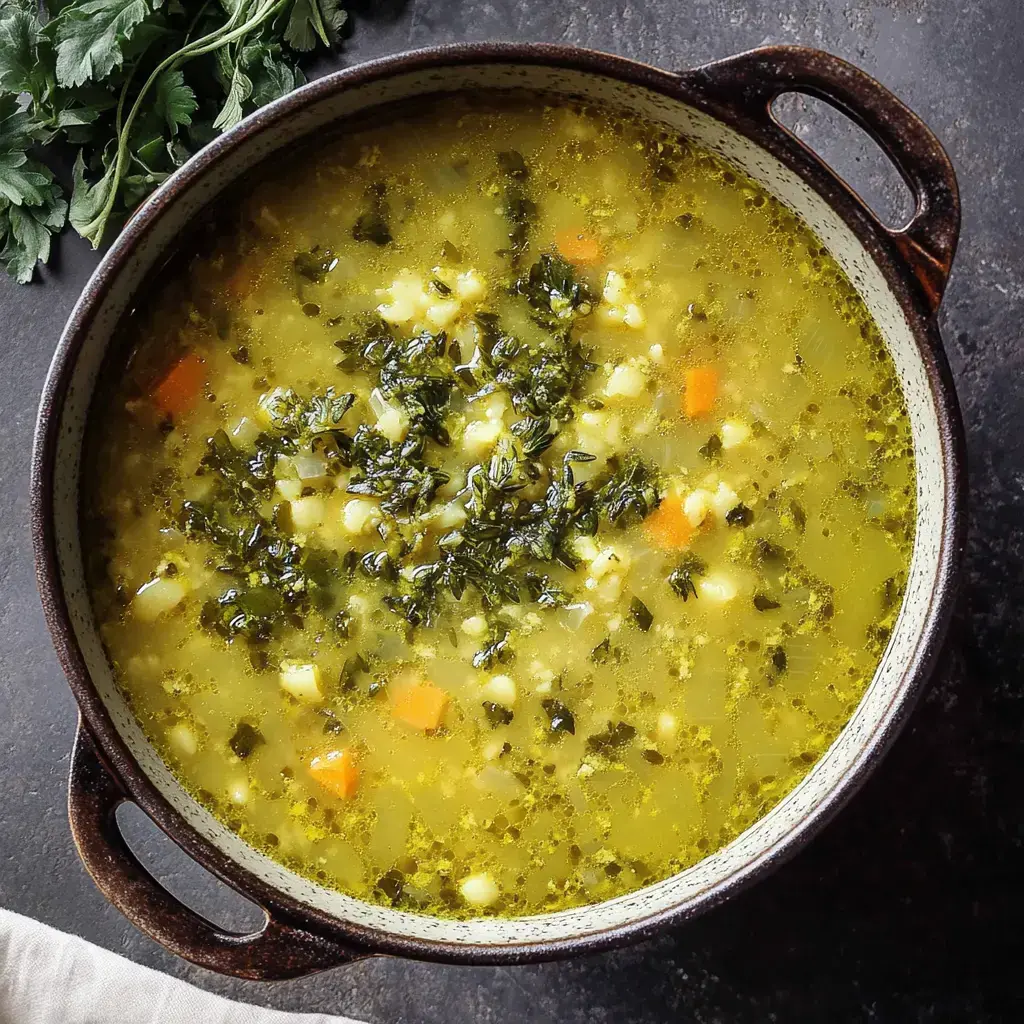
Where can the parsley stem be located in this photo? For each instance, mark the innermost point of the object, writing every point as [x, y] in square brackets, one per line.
[215, 40]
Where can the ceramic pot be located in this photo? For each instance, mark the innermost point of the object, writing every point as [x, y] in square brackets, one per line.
[725, 106]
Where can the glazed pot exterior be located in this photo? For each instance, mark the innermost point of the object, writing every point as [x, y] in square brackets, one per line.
[724, 106]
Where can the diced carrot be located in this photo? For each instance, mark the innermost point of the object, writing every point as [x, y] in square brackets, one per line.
[178, 390]
[579, 248]
[668, 527]
[701, 390]
[337, 771]
[421, 705]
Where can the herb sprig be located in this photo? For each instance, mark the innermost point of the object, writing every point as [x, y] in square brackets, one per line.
[135, 87]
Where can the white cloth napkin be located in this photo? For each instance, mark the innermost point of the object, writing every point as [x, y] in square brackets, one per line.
[48, 977]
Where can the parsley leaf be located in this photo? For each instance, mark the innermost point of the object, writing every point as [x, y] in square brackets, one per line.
[136, 86]
[90, 38]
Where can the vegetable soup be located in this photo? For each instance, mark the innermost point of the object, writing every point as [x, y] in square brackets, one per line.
[499, 510]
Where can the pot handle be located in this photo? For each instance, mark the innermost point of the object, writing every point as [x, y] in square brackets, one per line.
[747, 84]
[276, 951]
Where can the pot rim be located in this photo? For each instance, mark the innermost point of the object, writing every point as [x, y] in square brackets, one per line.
[879, 245]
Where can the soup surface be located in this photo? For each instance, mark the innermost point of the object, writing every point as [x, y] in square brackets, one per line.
[500, 510]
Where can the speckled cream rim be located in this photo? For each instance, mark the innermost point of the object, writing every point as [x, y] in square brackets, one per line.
[167, 213]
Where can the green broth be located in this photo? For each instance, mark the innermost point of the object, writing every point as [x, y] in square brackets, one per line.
[408, 643]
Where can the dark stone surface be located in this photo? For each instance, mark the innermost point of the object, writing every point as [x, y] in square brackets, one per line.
[908, 907]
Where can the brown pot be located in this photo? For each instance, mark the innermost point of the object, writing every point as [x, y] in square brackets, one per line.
[724, 105]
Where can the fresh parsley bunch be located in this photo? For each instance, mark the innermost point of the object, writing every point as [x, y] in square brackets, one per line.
[136, 87]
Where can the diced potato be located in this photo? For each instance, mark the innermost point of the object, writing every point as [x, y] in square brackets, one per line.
[480, 436]
[724, 499]
[479, 890]
[407, 297]
[734, 433]
[442, 314]
[697, 505]
[717, 588]
[290, 490]
[360, 515]
[393, 423]
[301, 680]
[609, 559]
[470, 286]
[158, 596]
[501, 689]
[307, 513]
[626, 381]
[634, 316]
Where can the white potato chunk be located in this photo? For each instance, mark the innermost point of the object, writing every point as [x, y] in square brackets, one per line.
[608, 560]
[158, 596]
[360, 515]
[626, 381]
[290, 490]
[717, 588]
[734, 433]
[393, 423]
[407, 297]
[442, 314]
[501, 689]
[470, 286]
[634, 316]
[697, 505]
[725, 499]
[479, 890]
[480, 436]
[307, 513]
[301, 679]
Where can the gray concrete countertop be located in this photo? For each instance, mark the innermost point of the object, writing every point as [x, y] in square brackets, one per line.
[906, 907]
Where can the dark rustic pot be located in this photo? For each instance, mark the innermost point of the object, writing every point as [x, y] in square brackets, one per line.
[726, 106]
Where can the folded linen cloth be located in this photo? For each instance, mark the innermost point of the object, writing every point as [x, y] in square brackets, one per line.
[49, 977]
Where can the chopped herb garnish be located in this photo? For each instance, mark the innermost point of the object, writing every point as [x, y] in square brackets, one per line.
[640, 614]
[245, 739]
[554, 291]
[652, 756]
[779, 660]
[739, 516]
[612, 738]
[372, 223]
[560, 718]
[680, 579]
[497, 714]
[763, 603]
[355, 666]
[712, 448]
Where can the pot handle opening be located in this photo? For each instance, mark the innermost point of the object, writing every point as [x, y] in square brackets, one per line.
[276, 951]
[747, 84]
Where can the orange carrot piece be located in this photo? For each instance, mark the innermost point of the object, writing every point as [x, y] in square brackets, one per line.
[337, 771]
[421, 705]
[668, 527]
[579, 248]
[701, 390]
[177, 391]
